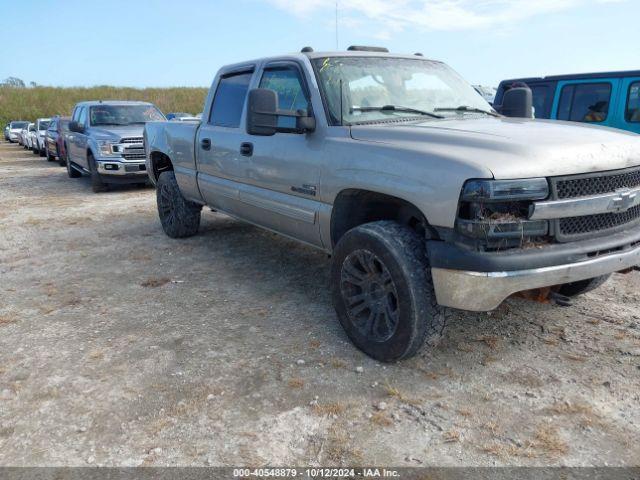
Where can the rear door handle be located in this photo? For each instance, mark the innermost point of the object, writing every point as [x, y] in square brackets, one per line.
[205, 143]
[246, 149]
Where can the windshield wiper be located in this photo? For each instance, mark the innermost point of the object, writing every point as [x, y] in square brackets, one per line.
[395, 108]
[465, 108]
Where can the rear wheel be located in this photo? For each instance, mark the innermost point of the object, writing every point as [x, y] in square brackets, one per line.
[97, 185]
[35, 150]
[581, 287]
[383, 292]
[179, 217]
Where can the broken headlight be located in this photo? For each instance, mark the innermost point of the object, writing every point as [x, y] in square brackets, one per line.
[498, 209]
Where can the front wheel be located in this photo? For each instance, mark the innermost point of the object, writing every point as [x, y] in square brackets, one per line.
[50, 157]
[583, 286]
[97, 185]
[179, 217]
[72, 172]
[382, 291]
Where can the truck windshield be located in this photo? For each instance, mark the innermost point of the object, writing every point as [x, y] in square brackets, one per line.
[378, 89]
[43, 125]
[122, 115]
[15, 125]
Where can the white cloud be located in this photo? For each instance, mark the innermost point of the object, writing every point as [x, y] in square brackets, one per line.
[397, 15]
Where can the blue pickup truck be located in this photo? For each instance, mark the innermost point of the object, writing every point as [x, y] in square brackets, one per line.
[610, 99]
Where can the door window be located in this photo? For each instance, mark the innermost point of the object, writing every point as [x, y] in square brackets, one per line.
[82, 118]
[585, 102]
[229, 100]
[286, 82]
[541, 100]
[632, 113]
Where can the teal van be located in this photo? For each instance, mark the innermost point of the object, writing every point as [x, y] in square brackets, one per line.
[611, 99]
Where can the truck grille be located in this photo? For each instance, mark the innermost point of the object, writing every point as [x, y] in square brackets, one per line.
[132, 140]
[134, 155]
[576, 228]
[585, 186]
[602, 222]
[134, 148]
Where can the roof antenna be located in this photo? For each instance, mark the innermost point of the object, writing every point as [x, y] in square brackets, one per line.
[337, 47]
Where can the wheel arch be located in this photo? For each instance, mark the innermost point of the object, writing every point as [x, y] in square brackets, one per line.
[355, 206]
[159, 162]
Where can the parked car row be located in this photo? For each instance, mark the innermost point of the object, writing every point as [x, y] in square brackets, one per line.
[101, 139]
[30, 135]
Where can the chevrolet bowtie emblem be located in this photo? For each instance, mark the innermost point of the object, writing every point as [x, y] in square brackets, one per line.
[624, 200]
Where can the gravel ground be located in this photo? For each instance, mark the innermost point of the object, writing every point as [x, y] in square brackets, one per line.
[121, 347]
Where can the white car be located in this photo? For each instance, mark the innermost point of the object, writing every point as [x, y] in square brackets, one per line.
[14, 130]
[26, 139]
[41, 129]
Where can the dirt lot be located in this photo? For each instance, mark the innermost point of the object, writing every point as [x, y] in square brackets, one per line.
[120, 346]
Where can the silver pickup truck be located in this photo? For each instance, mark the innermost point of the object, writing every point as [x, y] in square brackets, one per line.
[105, 141]
[426, 198]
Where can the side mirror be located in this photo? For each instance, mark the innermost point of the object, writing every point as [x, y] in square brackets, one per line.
[262, 112]
[76, 127]
[517, 102]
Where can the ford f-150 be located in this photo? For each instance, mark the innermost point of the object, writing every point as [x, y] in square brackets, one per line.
[105, 141]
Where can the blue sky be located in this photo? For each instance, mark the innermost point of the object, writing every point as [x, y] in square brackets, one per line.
[183, 42]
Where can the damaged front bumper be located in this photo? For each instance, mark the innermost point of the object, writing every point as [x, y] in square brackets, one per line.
[479, 281]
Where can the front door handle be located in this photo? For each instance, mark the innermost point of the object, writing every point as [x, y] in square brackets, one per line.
[205, 143]
[246, 149]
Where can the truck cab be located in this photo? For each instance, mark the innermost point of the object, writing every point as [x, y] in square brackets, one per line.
[609, 99]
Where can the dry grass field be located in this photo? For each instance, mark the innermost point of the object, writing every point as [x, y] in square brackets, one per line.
[38, 102]
[121, 347]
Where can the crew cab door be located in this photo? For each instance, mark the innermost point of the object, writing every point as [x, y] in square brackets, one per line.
[217, 144]
[284, 170]
[268, 181]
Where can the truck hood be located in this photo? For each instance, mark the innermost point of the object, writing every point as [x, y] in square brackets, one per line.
[513, 148]
[116, 133]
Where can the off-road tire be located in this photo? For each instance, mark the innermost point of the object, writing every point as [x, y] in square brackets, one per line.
[97, 185]
[399, 254]
[179, 217]
[43, 153]
[72, 172]
[581, 287]
[35, 151]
